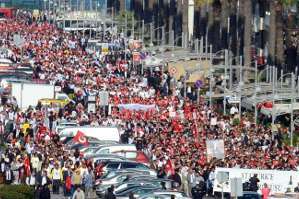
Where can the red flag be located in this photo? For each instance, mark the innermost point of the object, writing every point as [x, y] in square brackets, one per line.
[80, 138]
[169, 169]
[27, 166]
[68, 183]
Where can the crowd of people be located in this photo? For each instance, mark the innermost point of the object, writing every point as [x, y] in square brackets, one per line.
[176, 129]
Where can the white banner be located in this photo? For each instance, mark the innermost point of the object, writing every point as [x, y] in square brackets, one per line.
[278, 181]
[104, 98]
[215, 148]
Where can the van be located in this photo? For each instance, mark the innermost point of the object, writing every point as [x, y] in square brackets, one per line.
[99, 133]
[109, 149]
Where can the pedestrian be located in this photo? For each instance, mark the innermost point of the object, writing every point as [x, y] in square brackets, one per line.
[67, 181]
[110, 194]
[176, 178]
[56, 174]
[253, 183]
[131, 195]
[265, 191]
[8, 175]
[88, 179]
[78, 194]
[77, 178]
[199, 191]
[45, 193]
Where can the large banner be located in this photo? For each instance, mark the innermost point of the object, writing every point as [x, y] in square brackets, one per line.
[278, 181]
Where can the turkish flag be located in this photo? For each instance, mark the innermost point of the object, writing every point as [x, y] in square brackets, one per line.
[169, 169]
[80, 138]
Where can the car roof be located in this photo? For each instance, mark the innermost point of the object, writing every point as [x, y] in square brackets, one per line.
[125, 161]
[115, 145]
[106, 156]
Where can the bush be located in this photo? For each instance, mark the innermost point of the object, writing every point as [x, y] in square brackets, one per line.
[12, 195]
[16, 192]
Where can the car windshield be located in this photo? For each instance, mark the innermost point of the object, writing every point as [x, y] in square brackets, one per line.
[89, 150]
[129, 155]
[108, 175]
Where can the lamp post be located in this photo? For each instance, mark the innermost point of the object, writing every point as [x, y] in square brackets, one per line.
[211, 78]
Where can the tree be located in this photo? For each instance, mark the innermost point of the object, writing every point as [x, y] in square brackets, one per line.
[277, 25]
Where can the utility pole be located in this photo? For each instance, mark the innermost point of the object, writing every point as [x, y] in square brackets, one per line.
[126, 22]
[151, 32]
[211, 79]
[133, 27]
[163, 36]
[292, 107]
[273, 97]
[225, 79]
[240, 86]
[255, 92]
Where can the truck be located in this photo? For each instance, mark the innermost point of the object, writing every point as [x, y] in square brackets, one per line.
[29, 94]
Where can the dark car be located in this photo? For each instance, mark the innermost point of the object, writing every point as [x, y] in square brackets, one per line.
[250, 195]
[121, 188]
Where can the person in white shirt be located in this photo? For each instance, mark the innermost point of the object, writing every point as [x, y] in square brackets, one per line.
[78, 194]
[31, 180]
[56, 177]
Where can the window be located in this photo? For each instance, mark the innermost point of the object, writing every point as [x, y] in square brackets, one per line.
[121, 178]
[103, 151]
[129, 165]
[141, 166]
[112, 166]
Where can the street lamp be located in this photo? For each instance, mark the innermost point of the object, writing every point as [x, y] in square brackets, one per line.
[211, 78]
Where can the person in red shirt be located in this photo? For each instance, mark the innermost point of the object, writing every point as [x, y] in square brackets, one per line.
[266, 191]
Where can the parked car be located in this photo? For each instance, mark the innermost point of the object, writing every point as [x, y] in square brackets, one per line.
[115, 165]
[136, 191]
[120, 178]
[109, 149]
[100, 190]
[106, 158]
[250, 195]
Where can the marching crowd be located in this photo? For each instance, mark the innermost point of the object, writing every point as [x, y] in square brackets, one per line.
[176, 129]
